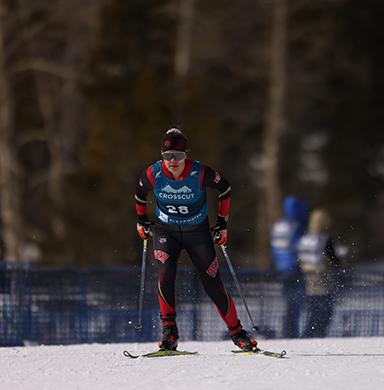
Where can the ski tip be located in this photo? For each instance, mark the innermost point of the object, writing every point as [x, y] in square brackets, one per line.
[283, 353]
[129, 355]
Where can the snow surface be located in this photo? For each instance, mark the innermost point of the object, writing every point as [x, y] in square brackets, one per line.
[343, 363]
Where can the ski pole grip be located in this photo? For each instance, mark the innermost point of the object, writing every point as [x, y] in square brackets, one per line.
[217, 235]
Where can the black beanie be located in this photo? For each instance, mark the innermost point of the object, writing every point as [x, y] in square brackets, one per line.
[174, 139]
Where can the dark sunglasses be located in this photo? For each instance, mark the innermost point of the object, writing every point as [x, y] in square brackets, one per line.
[178, 156]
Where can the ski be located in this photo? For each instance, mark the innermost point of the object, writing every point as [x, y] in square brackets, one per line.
[163, 353]
[258, 351]
[159, 353]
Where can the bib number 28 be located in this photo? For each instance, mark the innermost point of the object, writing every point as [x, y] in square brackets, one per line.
[177, 209]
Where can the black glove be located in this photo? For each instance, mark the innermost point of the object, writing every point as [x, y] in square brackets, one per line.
[219, 231]
[143, 227]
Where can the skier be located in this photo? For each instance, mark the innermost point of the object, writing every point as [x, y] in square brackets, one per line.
[179, 185]
[285, 236]
[321, 269]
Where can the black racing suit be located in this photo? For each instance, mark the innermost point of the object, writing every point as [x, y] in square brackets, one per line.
[170, 239]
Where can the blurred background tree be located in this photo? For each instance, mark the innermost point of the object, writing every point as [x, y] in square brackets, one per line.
[281, 97]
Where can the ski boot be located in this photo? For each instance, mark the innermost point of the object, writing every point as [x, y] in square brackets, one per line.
[170, 337]
[244, 341]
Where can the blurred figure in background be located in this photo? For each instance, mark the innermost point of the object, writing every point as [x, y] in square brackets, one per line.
[285, 236]
[320, 267]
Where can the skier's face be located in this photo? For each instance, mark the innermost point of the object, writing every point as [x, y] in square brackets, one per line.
[174, 160]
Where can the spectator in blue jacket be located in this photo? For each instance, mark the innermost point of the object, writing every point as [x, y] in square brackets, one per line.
[285, 236]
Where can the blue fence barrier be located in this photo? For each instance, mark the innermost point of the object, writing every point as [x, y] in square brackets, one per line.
[67, 306]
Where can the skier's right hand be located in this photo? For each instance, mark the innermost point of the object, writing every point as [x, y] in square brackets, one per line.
[143, 227]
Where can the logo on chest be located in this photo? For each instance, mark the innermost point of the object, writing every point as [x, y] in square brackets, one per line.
[183, 193]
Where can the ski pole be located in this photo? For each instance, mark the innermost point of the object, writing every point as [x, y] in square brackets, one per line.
[139, 325]
[228, 260]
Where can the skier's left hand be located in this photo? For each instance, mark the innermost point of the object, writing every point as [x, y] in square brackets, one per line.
[219, 231]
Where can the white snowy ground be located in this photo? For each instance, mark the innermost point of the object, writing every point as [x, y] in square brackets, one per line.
[344, 363]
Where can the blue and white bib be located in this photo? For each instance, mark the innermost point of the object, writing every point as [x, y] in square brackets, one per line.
[283, 244]
[180, 202]
[311, 248]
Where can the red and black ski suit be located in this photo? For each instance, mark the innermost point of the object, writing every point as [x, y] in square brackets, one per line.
[170, 238]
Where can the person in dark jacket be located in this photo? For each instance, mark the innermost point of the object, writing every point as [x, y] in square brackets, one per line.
[320, 266]
[285, 236]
